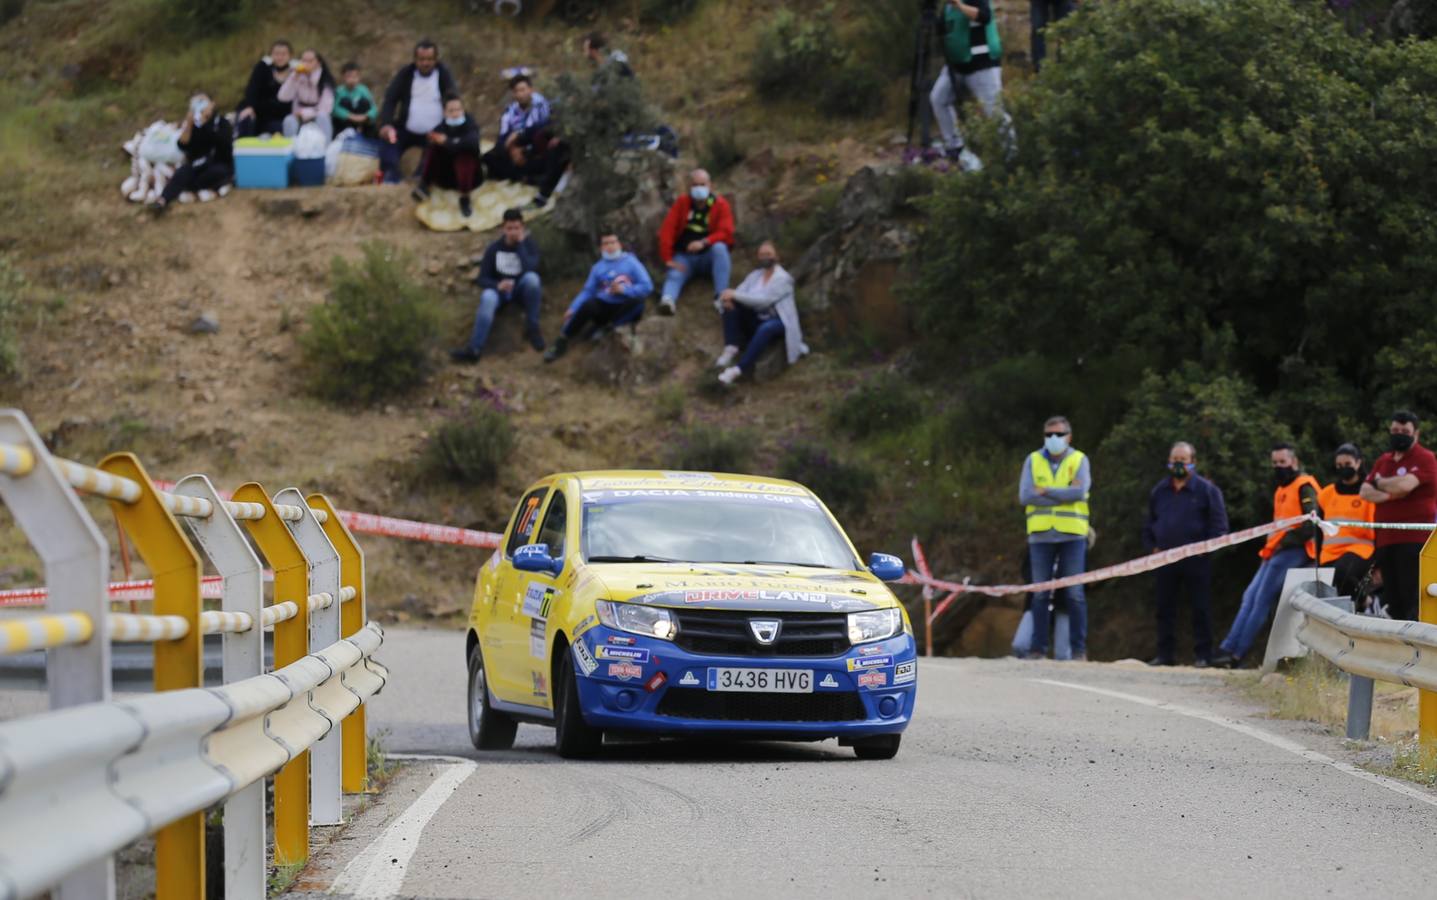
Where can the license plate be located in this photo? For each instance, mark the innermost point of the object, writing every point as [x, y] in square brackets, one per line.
[762, 681]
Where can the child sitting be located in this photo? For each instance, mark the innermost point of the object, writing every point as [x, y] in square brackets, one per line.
[354, 105]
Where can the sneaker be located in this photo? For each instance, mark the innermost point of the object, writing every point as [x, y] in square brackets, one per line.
[561, 344]
[601, 332]
[465, 207]
[667, 306]
[187, 197]
[726, 358]
[952, 154]
[1162, 661]
[205, 196]
[535, 337]
[420, 193]
[225, 191]
[968, 161]
[1225, 660]
[1202, 663]
[464, 355]
[540, 201]
[728, 376]
[1033, 655]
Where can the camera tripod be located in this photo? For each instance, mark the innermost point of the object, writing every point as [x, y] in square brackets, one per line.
[919, 112]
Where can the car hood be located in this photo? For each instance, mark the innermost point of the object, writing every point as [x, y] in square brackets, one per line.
[766, 588]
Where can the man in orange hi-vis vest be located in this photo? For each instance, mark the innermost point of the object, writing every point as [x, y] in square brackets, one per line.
[1349, 552]
[1294, 494]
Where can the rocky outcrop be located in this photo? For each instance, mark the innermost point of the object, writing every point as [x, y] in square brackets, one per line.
[641, 189]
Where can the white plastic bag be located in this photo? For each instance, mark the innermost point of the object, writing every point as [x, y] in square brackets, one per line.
[310, 142]
[161, 144]
[331, 153]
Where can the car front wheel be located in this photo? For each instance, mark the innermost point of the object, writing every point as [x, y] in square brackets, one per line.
[884, 746]
[574, 738]
[489, 729]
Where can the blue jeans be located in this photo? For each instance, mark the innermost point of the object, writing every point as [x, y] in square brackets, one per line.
[713, 261]
[744, 329]
[526, 291]
[1259, 600]
[1072, 559]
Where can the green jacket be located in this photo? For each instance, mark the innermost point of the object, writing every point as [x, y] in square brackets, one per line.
[956, 27]
[359, 100]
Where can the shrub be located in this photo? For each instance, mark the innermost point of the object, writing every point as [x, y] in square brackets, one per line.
[793, 50]
[888, 402]
[799, 232]
[719, 148]
[471, 449]
[12, 287]
[595, 117]
[886, 36]
[373, 335]
[665, 12]
[710, 448]
[563, 253]
[669, 404]
[203, 18]
[844, 486]
[851, 90]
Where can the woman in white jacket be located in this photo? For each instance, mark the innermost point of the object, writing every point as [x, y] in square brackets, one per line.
[755, 314]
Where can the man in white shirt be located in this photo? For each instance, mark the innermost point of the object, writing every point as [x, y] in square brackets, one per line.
[413, 106]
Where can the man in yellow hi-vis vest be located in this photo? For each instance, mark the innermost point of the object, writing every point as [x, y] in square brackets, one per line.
[1053, 488]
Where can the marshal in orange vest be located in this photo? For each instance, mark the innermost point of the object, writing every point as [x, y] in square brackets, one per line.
[1286, 503]
[1349, 539]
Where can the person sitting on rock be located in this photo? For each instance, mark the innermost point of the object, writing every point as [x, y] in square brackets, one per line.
[528, 148]
[510, 271]
[309, 90]
[354, 105]
[695, 240]
[452, 158]
[207, 143]
[755, 314]
[613, 294]
[261, 111]
[413, 106]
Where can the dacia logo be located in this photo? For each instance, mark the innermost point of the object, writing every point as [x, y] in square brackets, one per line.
[765, 631]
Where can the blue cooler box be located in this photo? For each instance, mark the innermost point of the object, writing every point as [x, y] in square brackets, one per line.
[307, 172]
[264, 163]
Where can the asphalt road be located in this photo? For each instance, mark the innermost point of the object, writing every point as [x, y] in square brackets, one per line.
[1007, 785]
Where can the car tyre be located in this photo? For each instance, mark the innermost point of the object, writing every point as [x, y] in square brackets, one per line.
[884, 746]
[574, 738]
[489, 729]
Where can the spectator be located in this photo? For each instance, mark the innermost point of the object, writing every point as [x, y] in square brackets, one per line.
[1042, 13]
[413, 106]
[972, 54]
[1294, 494]
[1054, 486]
[1403, 485]
[596, 50]
[452, 157]
[354, 105]
[613, 294]
[1184, 508]
[207, 143]
[510, 271]
[695, 239]
[528, 148]
[1349, 552]
[759, 312]
[309, 90]
[261, 111]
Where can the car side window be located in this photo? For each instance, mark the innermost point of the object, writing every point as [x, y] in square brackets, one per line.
[525, 519]
[556, 523]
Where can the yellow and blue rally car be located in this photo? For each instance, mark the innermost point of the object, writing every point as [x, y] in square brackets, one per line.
[686, 604]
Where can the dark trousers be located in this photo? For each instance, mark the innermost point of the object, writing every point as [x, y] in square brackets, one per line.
[1400, 564]
[368, 129]
[1348, 571]
[743, 328]
[543, 172]
[454, 169]
[255, 126]
[1193, 576]
[209, 177]
[1042, 13]
[598, 313]
[389, 154]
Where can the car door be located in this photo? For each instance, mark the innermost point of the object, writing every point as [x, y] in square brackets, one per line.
[506, 645]
[541, 594]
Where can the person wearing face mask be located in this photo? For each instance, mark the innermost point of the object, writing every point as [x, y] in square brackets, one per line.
[695, 240]
[452, 158]
[413, 106]
[1294, 494]
[760, 311]
[208, 145]
[1349, 552]
[1053, 487]
[261, 111]
[1403, 485]
[613, 294]
[1183, 508]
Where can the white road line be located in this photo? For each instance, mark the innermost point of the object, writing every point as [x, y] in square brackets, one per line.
[377, 873]
[1407, 790]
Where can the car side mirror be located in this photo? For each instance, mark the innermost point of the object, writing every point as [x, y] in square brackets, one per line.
[886, 566]
[536, 558]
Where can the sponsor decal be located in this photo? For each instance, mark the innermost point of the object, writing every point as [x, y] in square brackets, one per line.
[625, 671]
[589, 622]
[541, 687]
[537, 629]
[905, 672]
[688, 680]
[633, 654]
[652, 486]
[873, 679]
[869, 662]
[732, 590]
[828, 681]
[720, 595]
[538, 599]
[871, 650]
[622, 641]
[584, 659]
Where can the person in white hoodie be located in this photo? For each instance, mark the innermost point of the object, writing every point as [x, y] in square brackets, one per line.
[758, 312]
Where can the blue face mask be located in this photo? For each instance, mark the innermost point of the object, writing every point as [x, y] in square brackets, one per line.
[611, 257]
[699, 192]
[1056, 445]
[454, 123]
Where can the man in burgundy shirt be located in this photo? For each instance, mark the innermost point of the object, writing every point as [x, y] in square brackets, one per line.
[1403, 484]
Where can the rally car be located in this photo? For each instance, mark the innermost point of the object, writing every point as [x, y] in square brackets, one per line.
[686, 604]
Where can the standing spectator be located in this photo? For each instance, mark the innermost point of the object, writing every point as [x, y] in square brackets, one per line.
[759, 312]
[596, 50]
[1403, 484]
[413, 106]
[261, 111]
[1053, 487]
[310, 91]
[1184, 508]
[613, 294]
[972, 54]
[209, 164]
[1294, 494]
[1042, 13]
[510, 271]
[528, 148]
[1349, 552]
[452, 158]
[354, 105]
[695, 239]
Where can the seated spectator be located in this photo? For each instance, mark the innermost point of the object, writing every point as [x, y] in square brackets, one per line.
[695, 240]
[510, 271]
[413, 106]
[760, 311]
[1349, 551]
[309, 90]
[613, 294]
[528, 148]
[354, 105]
[596, 50]
[208, 145]
[452, 158]
[261, 111]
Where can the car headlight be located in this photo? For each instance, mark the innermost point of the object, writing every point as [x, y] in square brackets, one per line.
[650, 621]
[874, 625]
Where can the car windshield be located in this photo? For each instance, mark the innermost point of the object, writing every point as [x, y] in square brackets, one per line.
[711, 527]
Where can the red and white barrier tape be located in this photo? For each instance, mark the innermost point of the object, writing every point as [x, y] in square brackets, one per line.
[211, 588]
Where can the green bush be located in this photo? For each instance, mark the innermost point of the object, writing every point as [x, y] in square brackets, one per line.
[719, 148]
[886, 403]
[851, 90]
[669, 403]
[665, 12]
[799, 232]
[204, 18]
[885, 38]
[595, 116]
[12, 288]
[710, 448]
[374, 334]
[562, 253]
[794, 50]
[845, 487]
[472, 448]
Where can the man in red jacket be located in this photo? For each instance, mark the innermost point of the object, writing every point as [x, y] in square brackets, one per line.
[695, 240]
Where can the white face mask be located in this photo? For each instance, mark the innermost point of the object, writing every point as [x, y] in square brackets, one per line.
[1056, 445]
[611, 256]
[454, 123]
[699, 192]
[198, 105]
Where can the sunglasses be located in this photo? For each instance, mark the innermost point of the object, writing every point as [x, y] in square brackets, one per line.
[1048, 434]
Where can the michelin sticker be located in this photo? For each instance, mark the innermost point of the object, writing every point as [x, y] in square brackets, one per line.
[631, 654]
[688, 680]
[536, 638]
[869, 662]
[905, 672]
[584, 658]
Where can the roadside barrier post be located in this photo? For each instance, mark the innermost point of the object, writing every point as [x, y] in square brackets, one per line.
[352, 616]
[1359, 707]
[1427, 612]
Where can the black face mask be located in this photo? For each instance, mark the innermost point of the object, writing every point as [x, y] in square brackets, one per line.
[767, 263]
[1401, 443]
[1178, 470]
[1346, 473]
[1283, 475]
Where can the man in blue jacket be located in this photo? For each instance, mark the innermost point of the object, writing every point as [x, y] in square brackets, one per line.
[613, 294]
[1184, 508]
[510, 271]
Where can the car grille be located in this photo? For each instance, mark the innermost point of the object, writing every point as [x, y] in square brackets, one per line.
[720, 632]
[725, 706]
